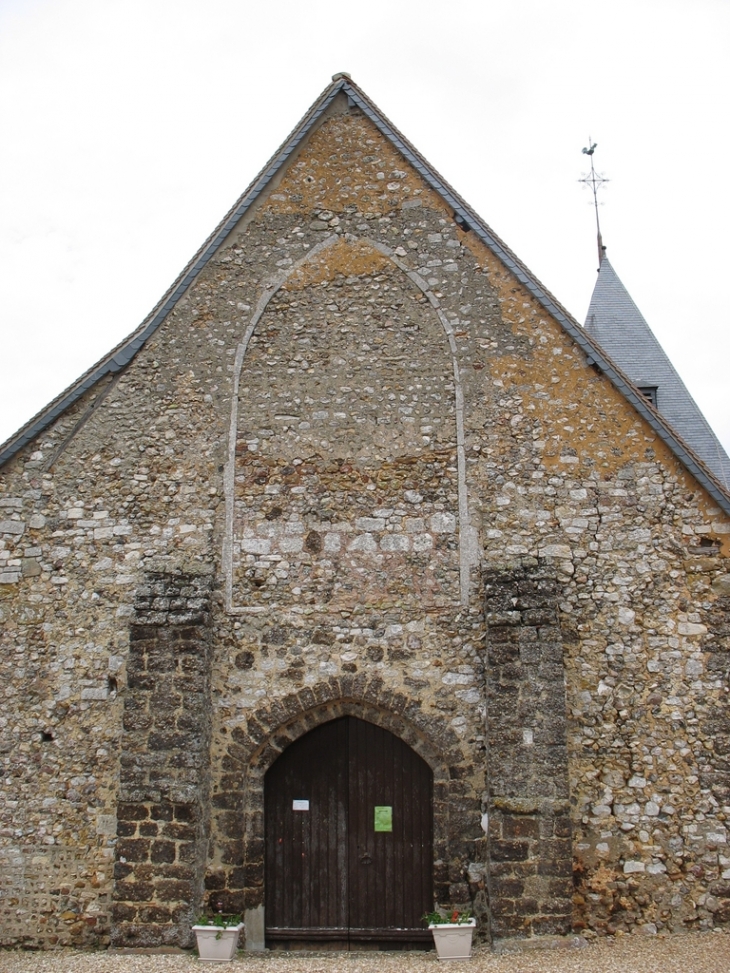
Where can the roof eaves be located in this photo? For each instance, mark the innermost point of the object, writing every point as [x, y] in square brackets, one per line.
[125, 352]
[618, 325]
[664, 430]
[590, 347]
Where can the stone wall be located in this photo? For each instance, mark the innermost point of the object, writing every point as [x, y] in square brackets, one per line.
[530, 848]
[368, 398]
[352, 408]
[164, 784]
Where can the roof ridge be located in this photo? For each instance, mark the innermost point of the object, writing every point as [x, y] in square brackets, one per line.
[498, 243]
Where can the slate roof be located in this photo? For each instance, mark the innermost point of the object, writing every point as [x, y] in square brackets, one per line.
[616, 322]
[464, 215]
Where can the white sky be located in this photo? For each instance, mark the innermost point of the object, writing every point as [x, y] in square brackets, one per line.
[129, 127]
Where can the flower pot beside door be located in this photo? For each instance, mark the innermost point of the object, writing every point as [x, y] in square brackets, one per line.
[452, 937]
[216, 943]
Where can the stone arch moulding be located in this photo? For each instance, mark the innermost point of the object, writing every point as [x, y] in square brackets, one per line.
[236, 871]
[468, 554]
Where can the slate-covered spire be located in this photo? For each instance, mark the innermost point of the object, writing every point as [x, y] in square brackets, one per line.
[618, 325]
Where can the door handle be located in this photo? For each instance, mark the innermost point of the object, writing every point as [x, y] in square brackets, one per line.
[366, 859]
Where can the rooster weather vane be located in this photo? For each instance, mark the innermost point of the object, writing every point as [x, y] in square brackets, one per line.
[595, 180]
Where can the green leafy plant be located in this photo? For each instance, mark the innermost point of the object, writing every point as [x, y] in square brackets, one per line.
[440, 919]
[218, 920]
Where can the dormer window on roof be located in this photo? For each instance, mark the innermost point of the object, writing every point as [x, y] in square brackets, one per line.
[650, 392]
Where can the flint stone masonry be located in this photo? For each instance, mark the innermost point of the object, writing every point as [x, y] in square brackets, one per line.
[354, 426]
[370, 413]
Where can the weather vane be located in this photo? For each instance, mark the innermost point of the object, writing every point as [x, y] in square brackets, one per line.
[595, 180]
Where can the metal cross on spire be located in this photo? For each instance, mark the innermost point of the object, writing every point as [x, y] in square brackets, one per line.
[595, 180]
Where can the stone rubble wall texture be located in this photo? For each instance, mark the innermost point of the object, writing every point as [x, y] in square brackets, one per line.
[164, 785]
[530, 856]
[396, 490]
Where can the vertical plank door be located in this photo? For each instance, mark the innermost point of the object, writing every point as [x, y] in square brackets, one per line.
[306, 849]
[330, 875]
[390, 872]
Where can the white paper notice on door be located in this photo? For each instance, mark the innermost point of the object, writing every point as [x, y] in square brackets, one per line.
[300, 805]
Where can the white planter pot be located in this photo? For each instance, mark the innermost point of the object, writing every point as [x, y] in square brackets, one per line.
[453, 939]
[216, 944]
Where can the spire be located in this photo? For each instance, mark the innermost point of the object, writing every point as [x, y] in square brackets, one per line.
[595, 180]
[618, 325]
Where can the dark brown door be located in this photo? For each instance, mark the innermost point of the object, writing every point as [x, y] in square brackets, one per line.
[349, 839]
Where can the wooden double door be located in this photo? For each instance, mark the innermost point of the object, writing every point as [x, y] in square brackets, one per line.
[349, 840]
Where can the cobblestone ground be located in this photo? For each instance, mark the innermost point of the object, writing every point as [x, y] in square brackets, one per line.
[693, 953]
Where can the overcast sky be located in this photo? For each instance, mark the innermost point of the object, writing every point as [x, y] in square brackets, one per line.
[129, 127]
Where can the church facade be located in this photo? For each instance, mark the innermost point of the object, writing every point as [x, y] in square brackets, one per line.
[359, 579]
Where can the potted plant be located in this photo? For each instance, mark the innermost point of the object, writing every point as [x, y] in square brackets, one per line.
[452, 933]
[217, 937]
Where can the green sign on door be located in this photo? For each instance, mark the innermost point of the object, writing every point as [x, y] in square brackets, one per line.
[383, 818]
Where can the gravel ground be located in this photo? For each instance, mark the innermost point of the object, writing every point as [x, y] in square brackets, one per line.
[694, 953]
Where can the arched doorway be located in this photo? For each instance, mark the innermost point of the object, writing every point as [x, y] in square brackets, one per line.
[349, 839]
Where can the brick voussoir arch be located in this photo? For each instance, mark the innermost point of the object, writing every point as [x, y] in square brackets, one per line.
[237, 878]
[275, 726]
